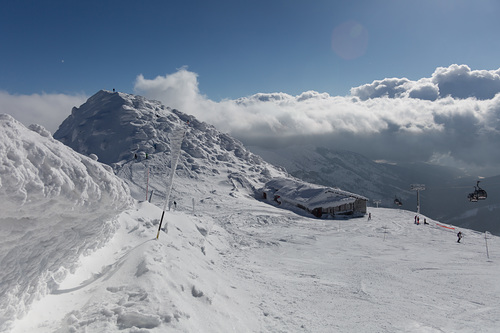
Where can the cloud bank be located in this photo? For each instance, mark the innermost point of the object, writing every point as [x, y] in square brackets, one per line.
[48, 110]
[451, 118]
[456, 81]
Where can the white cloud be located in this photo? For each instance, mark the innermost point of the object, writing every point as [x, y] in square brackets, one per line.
[179, 90]
[391, 119]
[48, 110]
[423, 89]
[391, 88]
[457, 81]
[462, 82]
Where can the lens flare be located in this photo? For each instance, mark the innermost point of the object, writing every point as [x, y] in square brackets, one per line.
[350, 40]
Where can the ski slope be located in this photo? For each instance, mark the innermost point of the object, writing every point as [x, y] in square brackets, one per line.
[235, 264]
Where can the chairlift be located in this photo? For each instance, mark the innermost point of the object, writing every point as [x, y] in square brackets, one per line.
[478, 194]
[397, 202]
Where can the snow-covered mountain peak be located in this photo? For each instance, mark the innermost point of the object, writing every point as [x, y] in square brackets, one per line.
[111, 125]
[133, 134]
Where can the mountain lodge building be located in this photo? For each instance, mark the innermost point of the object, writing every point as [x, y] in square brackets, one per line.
[318, 200]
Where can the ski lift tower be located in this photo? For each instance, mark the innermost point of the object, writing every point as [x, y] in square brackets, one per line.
[377, 202]
[418, 188]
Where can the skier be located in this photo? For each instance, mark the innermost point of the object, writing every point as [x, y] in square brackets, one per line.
[418, 220]
[369, 216]
[425, 221]
[415, 219]
[459, 235]
[175, 205]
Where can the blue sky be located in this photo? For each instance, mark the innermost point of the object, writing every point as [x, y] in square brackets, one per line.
[238, 48]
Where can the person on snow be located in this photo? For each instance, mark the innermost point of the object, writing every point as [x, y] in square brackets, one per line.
[418, 220]
[369, 216]
[459, 235]
[415, 219]
[425, 221]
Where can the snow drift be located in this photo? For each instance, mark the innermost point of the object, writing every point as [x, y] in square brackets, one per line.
[56, 204]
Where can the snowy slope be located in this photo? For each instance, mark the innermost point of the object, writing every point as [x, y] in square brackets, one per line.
[244, 266]
[140, 284]
[55, 205]
[231, 263]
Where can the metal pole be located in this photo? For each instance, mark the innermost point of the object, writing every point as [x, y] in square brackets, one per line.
[486, 240]
[418, 188]
[418, 202]
[147, 180]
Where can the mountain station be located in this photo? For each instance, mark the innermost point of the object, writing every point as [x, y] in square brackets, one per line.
[318, 200]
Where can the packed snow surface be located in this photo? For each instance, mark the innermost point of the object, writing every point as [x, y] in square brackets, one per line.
[81, 256]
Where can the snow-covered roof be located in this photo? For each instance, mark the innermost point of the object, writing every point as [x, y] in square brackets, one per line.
[310, 195]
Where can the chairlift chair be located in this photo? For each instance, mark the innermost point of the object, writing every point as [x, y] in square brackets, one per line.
[478, 194]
